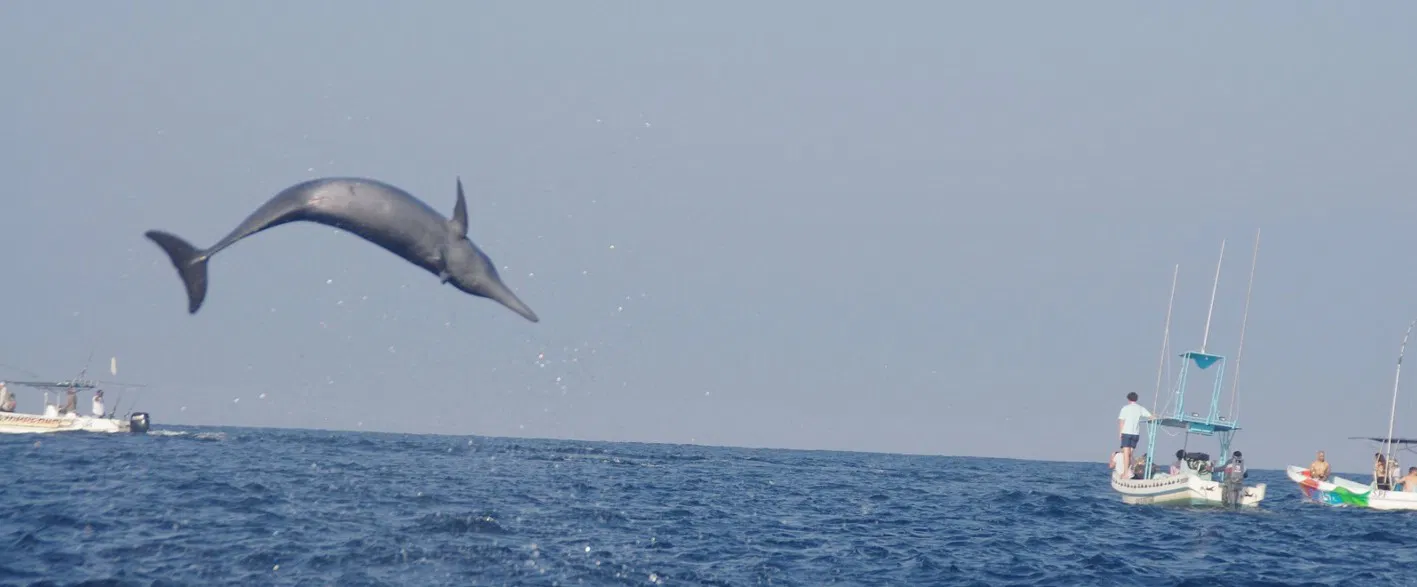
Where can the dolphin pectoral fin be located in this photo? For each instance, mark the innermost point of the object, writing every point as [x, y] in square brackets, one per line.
[442, 264]
[458, 223]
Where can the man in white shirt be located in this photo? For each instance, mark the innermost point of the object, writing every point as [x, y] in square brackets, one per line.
[1129, 425]
[7, 401]
[98, 409]
[1117, 465]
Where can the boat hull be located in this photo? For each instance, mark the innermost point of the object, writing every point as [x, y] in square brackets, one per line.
[13, 423]
[1340, 492]
[1182, 489]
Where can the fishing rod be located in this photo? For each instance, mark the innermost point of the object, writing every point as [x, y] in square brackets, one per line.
[1165, 341]
[1240, 354]
[1392, 416]
[27, 372]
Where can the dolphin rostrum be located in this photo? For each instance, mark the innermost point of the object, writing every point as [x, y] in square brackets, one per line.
[375, 211]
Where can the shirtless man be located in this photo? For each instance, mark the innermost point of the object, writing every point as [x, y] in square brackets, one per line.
[71, 402]
[1319, 468]
[1409, 483]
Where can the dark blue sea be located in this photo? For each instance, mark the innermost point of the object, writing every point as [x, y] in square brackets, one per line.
[186, 506]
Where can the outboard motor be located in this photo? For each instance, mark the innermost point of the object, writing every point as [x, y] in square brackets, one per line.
[1231, 490]
[138, 423]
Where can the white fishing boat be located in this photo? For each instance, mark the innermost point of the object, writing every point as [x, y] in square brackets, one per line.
[1341, 492]
[1194, 484]
[66, 417]
[1194, 479]
[18, 423]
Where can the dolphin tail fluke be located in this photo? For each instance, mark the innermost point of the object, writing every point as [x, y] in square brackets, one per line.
[191, 265]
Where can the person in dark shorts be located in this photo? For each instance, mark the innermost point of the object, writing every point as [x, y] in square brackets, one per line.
[1129, 425]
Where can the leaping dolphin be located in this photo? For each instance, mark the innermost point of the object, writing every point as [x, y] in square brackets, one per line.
[375, 211]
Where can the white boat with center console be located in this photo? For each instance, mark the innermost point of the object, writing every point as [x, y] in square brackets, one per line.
[66, 417]
[1383, 492]
[1193, 479]
[17, 423]
[1339, 492]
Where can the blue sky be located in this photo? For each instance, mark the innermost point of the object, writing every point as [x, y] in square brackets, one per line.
[940, 228]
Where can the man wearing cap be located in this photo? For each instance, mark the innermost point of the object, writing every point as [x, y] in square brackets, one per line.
[1236, 466]
[98, 409]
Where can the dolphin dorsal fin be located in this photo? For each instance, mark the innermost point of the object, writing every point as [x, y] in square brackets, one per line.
[459, 219]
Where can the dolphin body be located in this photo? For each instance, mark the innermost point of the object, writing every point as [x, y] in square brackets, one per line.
[375, 211]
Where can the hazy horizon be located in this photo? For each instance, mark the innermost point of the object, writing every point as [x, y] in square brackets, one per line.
[949, 230]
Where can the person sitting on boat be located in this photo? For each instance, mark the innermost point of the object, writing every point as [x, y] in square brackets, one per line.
[1129, 424]
[1180, 463]
[7, 400]
[1139, 468]
[1117, 464]
[98, 408]
[1319, 469]
[1382, 474]
[71, 402]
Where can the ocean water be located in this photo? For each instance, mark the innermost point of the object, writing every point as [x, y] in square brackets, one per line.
[186, 506]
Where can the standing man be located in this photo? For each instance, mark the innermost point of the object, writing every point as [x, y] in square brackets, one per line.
[1129, 425]
[1236, 466]
[98, 409]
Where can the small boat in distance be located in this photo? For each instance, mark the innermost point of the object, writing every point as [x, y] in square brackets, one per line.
[1340, 492]
[1194, 479]
[66, 416]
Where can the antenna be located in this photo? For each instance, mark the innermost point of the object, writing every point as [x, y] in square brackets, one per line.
[85, 371]
[1165, 338]
[1213, 288]
[1235, 385]
[1387, 443]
